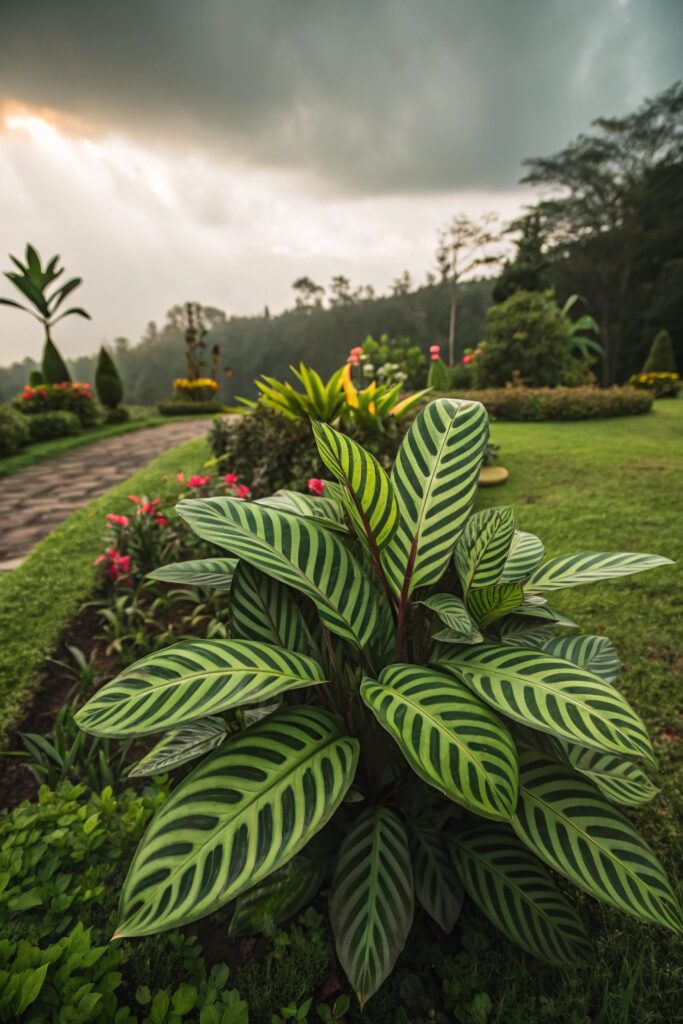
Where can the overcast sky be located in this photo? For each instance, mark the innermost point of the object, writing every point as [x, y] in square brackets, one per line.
[217, 149]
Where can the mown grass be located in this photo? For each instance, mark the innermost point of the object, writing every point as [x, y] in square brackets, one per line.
[41, 596]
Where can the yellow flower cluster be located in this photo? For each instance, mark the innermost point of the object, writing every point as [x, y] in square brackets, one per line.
[652, 377]
[183, 384]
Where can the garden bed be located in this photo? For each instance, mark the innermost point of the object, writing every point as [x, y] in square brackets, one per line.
[561, 403]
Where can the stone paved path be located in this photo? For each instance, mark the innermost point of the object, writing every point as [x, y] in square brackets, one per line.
[36, 500]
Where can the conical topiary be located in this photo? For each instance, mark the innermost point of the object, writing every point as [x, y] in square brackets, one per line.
[108, 383]
[54, 367]
[661, 358]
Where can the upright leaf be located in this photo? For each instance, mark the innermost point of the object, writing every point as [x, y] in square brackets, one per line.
[489, 604]
[193, 679]
[571, 826]
[449, 738]
[451, 611]
[437, 885]
[371, 905]
[242, 814]
[517, 894]
[526, 552]
[484, 545]
[589, 567]
[435, 478]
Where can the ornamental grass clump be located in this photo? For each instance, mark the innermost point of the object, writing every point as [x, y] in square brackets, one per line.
[401, 713]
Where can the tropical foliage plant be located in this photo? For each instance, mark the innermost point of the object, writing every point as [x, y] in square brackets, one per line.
[401, 709]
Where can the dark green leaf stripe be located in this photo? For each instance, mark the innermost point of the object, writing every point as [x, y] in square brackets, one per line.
[182, 745]
[449, 738]
[299, 554]
[435, 478]
[550, 694]
[324, 511]
[483, 548]
[262, 608]
[193, 679]
[595, 653]
[492, 603]
[517, 894]
[518, 632]
[589, 567]
[574, 829]
[367, 492]
[526, 552]
[371, 905]
[200, 572]
[452, 612]
[545, 612]
[242, 814]
[437, 885]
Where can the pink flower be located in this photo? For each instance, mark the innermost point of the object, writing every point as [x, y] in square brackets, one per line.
[119, 520]
[243, 491]
[353, 360]
[434, 357]
[316, 486]
[231, 478]
[467, 359]
[180, 477]
[134, 497]
[357, 351]
[161, 521]
[198, 481]
[435, 348]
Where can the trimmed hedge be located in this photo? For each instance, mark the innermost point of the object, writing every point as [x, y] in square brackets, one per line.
[44, 426]
[538, 404]
[176, 407]
[13, 431]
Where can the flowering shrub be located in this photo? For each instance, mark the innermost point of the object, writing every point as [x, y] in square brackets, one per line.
[198, 390]
[138, 542]
[202, 485]
[394, 361]
[661, 385]
[73, 397]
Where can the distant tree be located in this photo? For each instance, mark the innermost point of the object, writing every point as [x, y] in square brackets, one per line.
[462, 248]
[364, 293]
[402, 285]
[309, 295]
[33, 281]
[661, 358]
[340, 291]
[529, 270]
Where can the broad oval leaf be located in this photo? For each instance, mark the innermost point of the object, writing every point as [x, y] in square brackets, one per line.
[449, 738]
[239, 816]
[324, 511]
[552, 695]
[589, 567]
[367, 491]
[518, 895]
[262, 608]
[482, 551]
[193, 679]
[595, 653]
[437, 885]
[435, 479]
[451, 611]
[526, 552]
[182, 745]
[565, 821]
[216, 573]
[299, 554]
[491, 603]
[371, 904]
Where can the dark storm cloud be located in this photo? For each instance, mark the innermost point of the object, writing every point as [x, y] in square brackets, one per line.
[368, 95]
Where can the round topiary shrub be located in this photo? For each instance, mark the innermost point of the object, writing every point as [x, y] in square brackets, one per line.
[14, 432]
[528, 338]
[45, 426]
[108, 383]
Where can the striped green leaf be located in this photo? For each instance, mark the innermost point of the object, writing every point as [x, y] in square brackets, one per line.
[262, 608]
[216, 573]
[242, 814]
[483, 548]
[597, 654]
[367, 492]
[492, 603]
[565, 821]
[279, 896]
[324, 511]
[182, 745]
[437, 885]
[298, 554]
[526, 553]
[517, 894]
[449, 738]
[193, 679]
[451, 611]
[589, 567]
[371, 905]
[519, 632]
[435, 478]
[550, 694]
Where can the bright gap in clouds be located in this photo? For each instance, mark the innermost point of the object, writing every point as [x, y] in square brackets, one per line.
[147, 229]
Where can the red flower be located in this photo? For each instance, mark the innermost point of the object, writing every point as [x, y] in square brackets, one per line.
[161, 521]
[316, 486]
[198, 481]
[243, 491]
[466, 360]
[134, 497]
[435, 349]
[231, 478]
[148, 508]
[434, 357]
[119, 520]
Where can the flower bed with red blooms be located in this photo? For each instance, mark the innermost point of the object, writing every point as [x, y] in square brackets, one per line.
[137, 543]
[73, 397]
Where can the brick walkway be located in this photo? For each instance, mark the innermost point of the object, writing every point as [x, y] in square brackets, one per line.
[36, 500]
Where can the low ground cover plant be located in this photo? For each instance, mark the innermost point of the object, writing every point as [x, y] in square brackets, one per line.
[660, 383]
[399, 707]
[517, 403]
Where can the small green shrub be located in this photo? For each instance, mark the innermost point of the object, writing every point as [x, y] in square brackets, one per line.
[14, 432]
[527, 337]
[394, 361]
[661, 358]
[538, 404]
[118, 415]
[35, 378]
[44, 426]
[54, 367]
[108, 383]
[178, 407]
